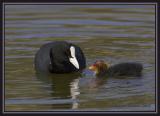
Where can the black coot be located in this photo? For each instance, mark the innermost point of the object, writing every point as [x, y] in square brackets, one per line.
[59, 57]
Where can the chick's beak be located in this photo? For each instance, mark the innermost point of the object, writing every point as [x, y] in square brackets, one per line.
[92, 67]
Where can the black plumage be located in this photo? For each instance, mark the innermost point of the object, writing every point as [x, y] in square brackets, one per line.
[54, 57]
[125, 69]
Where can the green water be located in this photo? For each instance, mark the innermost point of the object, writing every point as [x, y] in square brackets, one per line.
[114, 33]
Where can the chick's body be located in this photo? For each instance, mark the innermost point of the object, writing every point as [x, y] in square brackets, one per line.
[102, 69]
[125, 69]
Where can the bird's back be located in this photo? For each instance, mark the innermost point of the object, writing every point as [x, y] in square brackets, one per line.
[125, 69]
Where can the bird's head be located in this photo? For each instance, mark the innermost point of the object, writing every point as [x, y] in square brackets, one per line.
[99, 67]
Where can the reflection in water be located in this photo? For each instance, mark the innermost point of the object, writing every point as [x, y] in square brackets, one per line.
[63, 86]
[75, 92]
[91, 83]
[67, 86]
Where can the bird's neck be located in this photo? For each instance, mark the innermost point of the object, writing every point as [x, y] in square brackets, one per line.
[101, 73]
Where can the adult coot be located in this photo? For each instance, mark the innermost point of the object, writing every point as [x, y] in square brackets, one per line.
[102, 69]
[59, 57]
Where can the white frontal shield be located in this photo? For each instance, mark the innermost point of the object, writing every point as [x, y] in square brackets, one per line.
[73, 60]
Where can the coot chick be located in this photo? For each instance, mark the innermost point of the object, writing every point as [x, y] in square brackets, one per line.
[102, 69]
[59, 57]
